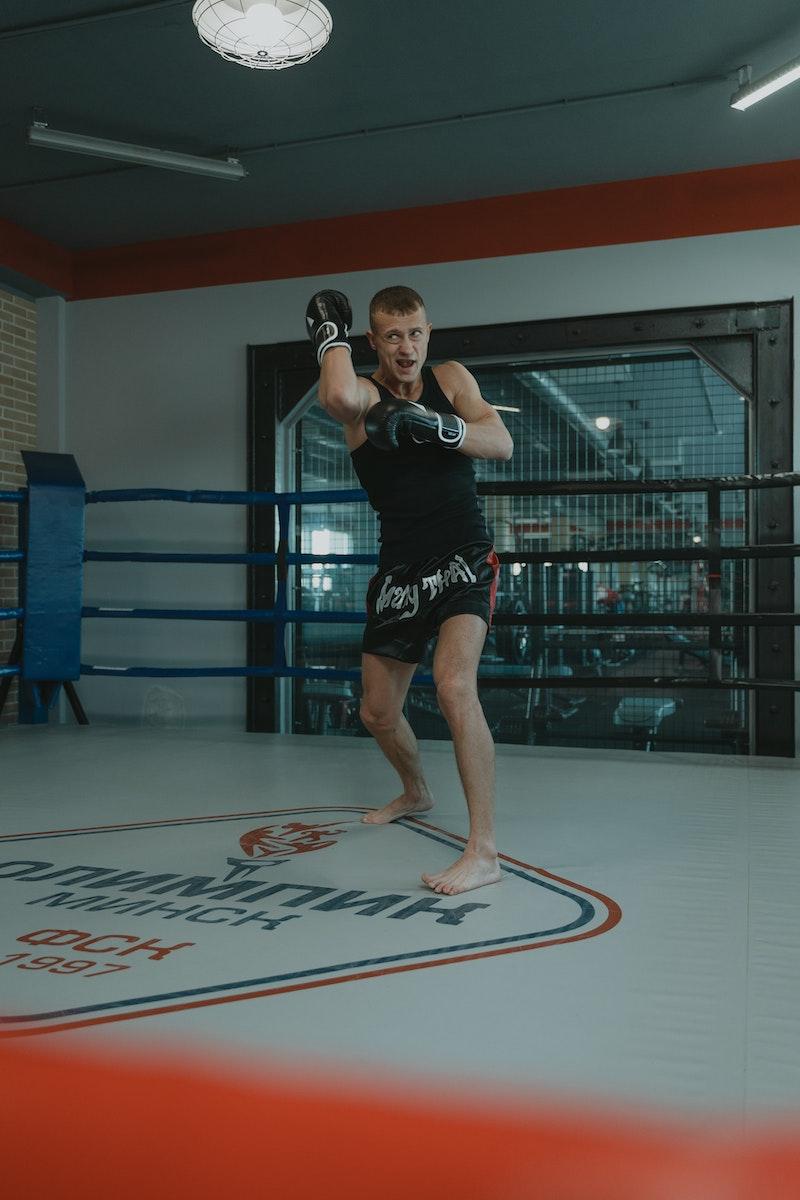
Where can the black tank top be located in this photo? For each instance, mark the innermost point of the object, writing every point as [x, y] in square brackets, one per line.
[425, 496]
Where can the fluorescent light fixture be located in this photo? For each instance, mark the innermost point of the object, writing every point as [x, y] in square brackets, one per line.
[750, 93]
[40, 134]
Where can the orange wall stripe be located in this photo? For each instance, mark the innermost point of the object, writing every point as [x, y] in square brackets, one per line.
[669, 206]
[763, 196]
[35, 258]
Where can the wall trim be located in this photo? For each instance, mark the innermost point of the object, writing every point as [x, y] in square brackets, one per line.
[694, 204]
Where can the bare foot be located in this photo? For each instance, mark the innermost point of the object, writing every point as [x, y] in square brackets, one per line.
[403, 806]
[471, 870]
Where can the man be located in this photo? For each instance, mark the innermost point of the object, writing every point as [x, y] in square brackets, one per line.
[412, 432]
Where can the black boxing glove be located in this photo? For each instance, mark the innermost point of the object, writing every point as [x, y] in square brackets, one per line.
[389, 421]
[329, 319]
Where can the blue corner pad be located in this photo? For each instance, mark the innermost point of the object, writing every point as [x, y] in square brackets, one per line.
[51, 583]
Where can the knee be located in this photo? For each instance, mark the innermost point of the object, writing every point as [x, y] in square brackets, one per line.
[454, 694]
[378, 718]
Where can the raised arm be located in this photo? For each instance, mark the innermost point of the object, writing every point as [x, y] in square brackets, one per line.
[342, 394]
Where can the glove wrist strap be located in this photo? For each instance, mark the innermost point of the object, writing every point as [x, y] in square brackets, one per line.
[328, 336]
[449, 437]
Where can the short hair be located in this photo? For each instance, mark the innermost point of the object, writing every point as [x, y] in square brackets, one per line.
[399, 299]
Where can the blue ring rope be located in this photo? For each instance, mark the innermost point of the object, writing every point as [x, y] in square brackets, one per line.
[278, 615]
[255, 559]
[338, 496]
[283, 672]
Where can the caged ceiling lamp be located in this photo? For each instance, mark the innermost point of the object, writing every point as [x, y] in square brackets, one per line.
[268, 35]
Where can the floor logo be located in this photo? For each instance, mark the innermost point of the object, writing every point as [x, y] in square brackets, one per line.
[270, 841]
[122, 921]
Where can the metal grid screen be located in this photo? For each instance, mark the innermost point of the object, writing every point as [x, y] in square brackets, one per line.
[323, 462]
[629, 416]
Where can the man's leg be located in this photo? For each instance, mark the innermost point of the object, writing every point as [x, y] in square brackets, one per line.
[455, 671]
[386, 682]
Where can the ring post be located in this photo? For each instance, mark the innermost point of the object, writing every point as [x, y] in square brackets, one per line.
[51, 584]
[281, 579]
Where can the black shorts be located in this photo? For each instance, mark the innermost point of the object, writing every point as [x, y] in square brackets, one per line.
[408, 602]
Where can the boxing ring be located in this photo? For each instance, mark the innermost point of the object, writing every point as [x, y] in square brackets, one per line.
[199, 924]
[52, 528]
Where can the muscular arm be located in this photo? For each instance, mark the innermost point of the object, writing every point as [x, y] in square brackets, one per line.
[486, 436]
[329, 319]
[342, 394]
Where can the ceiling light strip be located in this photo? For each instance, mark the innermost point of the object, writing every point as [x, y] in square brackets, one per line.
[148, 156]
[751, 92]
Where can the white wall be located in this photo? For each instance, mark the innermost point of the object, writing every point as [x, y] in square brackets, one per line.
[153, 394]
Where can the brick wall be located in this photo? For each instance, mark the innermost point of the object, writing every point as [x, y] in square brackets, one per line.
[17, 432]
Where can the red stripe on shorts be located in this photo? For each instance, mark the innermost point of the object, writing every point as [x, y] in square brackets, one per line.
[494, 562]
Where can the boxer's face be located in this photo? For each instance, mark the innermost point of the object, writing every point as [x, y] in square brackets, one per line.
[401, 343]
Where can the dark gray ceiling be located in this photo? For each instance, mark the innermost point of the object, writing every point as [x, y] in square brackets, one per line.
[137, 72]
